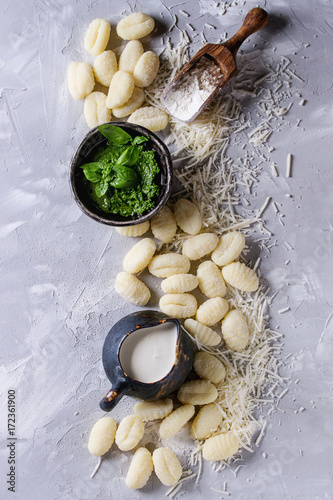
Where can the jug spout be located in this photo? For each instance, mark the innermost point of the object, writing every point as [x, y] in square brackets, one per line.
[112, 398]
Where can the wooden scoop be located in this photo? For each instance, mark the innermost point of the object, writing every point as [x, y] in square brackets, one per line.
[224, 55]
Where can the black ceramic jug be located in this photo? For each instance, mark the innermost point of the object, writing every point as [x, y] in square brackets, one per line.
[123, 384]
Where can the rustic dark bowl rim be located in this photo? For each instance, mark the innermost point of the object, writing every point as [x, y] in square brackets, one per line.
[164, 160]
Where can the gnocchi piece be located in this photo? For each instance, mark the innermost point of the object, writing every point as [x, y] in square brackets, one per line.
[131, 289]
[174, 422]
[105, 67]
[140, 469]
[130, 431]
[188, 216]
[235, 330]
[153, 410]
[97, 36]
[167, 264]
[139, 256]
[209, 367]
[81, 80]
[146, 69]
[229, 248]
[202, 333]
[133, 103]
[206, 422]
[212, 311]
[102, 436]
[240, 276]
[220, 447]
[211, 281]
[120, 90]
[163, 225]
[178, 305]
[135, 26]
[154, 119]
[197, 392]
[135, 230]
[167, 466]
[95, 110]
[130, 56]
[200, 245]
[179, 283]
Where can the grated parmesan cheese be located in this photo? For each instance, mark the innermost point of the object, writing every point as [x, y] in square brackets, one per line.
[289, 164]
[211, 179]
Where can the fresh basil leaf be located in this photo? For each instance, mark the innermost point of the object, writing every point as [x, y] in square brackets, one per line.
[116, 135]
[92, 171]
[94, 166]
[125, 178]
[139, 139]
[93, 176]
[101, 188]
[129, 157]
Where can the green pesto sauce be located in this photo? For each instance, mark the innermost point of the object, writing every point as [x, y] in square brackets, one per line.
[134, 200]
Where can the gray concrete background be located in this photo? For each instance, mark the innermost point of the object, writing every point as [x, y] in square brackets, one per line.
[58, 266]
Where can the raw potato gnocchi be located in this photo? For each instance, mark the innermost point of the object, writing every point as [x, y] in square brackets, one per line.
[154, 119]
[240, 276]
[235, 330]
[97, 36]
[163, 225]
[120, 90]
[200, 245]
[187, 216]
[206, 422]
[130, 56]
[135, 230]
[135, 26]
[153, 410]
[129, 432]
[179, 283]
[105, 67]
[220, 447]
[229, 248]
[197, 392]
[167, 466]
[167, 264]
[133, 103]
[209, 367]
[146, 69]
[202, 333]
[95, 110]
[178, 305]
[139, 256]
[81, 80]
[174, 422]
[140, 469]
[131, 289]
[211, 281]
[212, 311]
[102, 436]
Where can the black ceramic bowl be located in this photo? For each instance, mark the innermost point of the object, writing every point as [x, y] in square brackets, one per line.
[78, 184]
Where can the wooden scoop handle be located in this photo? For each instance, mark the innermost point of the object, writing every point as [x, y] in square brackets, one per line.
[255, 19]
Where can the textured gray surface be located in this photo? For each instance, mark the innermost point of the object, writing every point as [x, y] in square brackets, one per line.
[58, 266]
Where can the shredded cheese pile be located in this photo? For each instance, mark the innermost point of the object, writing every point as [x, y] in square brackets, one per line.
[213, 181]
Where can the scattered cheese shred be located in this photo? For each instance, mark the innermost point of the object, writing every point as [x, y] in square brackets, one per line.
[289, 164]
[96, 469]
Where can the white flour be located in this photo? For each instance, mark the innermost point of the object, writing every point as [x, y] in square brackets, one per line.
[188, 95]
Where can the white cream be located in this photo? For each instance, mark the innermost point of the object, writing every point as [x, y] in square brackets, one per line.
[148, 354]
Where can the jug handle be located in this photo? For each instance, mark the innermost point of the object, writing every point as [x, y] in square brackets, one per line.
[112, 397]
